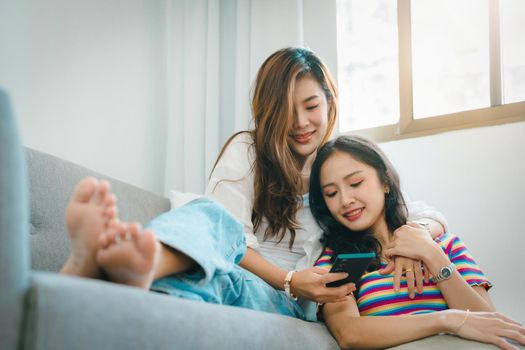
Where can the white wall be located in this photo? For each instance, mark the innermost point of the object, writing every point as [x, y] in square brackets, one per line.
[88, 82]
[476, 177]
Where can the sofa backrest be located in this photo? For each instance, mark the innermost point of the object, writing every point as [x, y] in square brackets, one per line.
[14, 213]
[51, 183]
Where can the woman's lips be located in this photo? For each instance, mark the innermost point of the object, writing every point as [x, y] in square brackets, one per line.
[304, 137]
[353, 215]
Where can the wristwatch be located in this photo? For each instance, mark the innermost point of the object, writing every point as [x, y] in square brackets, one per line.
[444, 273]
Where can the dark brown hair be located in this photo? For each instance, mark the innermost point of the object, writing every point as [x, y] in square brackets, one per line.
[337, 236]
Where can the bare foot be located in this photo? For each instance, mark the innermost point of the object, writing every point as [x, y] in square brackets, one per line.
[90, 210]
[128, 254]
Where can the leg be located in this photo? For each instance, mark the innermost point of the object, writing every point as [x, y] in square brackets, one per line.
[200, 236]
[171, 261]
[239, 288]
[89, 212]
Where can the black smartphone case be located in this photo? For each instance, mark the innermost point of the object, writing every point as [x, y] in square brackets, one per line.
[354, 266]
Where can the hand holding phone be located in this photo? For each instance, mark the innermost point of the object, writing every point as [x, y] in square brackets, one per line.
[353, 264]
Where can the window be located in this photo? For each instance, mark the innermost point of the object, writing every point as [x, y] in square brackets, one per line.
[407, 68]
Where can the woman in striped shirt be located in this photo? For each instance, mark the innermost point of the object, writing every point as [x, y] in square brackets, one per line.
[355, 197]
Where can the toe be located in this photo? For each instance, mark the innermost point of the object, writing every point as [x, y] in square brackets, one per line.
[115, 233]
[111, 212]
[85, 189]
[147, 243]
[122, 229]
[103, 240]
[110, 237]
[114, 223]
[103, 192]
[135, 230]
[110, 199]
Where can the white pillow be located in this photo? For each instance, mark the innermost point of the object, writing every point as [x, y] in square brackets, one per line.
[178, 199]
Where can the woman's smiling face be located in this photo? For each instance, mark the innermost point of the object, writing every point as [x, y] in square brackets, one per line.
[310, 117]
[353, 192]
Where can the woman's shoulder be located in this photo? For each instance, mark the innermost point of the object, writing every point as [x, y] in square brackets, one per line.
[236, 159]
[450, 242]
[241, 139]
[446, 237]
[239, 147]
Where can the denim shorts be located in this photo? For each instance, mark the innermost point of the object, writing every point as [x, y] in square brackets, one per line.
[205, 231]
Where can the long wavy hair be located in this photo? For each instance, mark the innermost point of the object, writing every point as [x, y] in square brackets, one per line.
[337, 236]
[277, 174]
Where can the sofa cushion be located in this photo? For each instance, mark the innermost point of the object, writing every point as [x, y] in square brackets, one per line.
[75, 313]
[179, 198]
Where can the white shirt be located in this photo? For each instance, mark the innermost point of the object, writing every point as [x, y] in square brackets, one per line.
[231, 184]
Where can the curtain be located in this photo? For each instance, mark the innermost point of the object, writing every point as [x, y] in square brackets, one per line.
[214, 49]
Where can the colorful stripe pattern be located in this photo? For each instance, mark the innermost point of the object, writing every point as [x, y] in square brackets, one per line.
[378, 298]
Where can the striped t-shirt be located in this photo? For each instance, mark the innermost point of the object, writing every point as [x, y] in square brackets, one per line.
[377, 297]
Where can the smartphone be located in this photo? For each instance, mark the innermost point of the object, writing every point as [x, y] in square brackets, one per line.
[353, 264]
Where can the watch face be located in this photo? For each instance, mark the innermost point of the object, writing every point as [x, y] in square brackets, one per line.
[445, 272]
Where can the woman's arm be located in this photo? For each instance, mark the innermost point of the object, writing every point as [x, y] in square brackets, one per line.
[309, 283]
[456, 291]
[422, 212]
[231, 184]
[269, 272]
[415, 243]
[435, 228]
[398, 264]
[436, 223]
[352, 331]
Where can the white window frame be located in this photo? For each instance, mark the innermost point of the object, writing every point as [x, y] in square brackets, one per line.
[408, 127]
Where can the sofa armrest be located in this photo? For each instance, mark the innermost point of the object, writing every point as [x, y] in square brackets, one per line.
[75, 313]
[14, 214]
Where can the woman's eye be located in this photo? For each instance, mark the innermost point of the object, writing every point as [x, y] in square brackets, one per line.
[356, 184]
[311, 108]
[330, 194]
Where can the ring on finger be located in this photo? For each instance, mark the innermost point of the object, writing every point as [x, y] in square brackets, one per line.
[409, 270]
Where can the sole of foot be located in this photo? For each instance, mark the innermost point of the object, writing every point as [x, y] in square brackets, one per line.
[90, 211]
[128, 254]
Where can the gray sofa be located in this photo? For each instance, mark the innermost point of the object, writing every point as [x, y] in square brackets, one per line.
[40, 309]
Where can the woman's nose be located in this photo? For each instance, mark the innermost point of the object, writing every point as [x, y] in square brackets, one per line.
[300, 120]
[347, 198]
